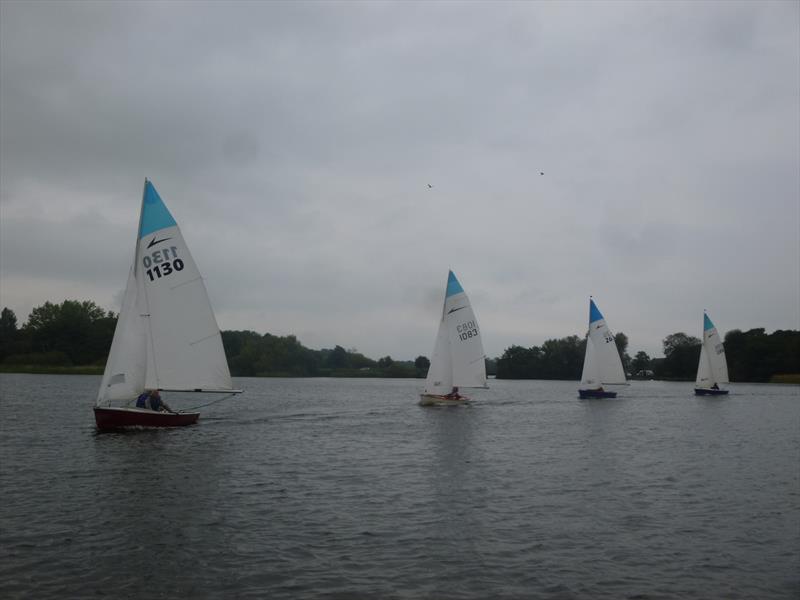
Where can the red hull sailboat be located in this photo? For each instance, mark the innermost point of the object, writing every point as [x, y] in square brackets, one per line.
[108, 417]
[166, 336]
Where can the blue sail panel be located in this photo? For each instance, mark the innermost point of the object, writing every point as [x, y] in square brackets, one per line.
[155, 215]
[453, 287]
[707, 324]
[594, 312]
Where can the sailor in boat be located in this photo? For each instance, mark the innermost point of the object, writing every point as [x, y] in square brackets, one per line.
[715, 386]
[151, 400]
[454, 395]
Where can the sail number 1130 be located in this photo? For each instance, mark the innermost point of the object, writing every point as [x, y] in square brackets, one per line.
[162, 263]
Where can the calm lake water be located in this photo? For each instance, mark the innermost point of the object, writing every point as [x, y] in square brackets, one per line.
[315, 488]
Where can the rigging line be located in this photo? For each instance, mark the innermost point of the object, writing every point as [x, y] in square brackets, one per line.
[210, 403]
[204, 339]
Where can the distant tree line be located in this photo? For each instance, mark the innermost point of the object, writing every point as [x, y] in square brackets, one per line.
[752, 356]
[555, 359]
[71, 333]
[254, 355]
[79, 333]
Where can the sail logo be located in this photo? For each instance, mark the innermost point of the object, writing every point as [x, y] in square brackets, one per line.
[162, 263]
[154, 241]
[720, 349]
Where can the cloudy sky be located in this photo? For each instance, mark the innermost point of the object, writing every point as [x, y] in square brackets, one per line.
[295, 143]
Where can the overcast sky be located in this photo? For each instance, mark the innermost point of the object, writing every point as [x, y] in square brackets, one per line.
[295, 143]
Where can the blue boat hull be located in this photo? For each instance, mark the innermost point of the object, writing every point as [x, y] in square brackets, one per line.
[709, 392]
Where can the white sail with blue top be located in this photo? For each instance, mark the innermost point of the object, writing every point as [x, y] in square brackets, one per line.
[601, 364]
[713, 368]
[458, 357]
[167, 337]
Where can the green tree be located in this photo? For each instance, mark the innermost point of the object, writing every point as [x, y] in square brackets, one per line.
[80, 329]
[556, 359]
[640, 363]
[385, 362]
[491, 366]
[241, 349]
[681, 356]
[562, 358]
[421, 366]
[8, 324]
[338, 358]
[358, 360]
[755, 355]
[9, 334]
[622, 347]
[675, 341]
[518, 362]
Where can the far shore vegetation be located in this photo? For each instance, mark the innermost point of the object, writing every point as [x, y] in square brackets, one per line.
[74, 337]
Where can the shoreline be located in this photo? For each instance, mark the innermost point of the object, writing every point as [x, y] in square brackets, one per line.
[782, 379]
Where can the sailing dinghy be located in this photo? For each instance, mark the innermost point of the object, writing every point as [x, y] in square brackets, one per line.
[601, 363]
[713, 368]
[166, 336]
[458, 359]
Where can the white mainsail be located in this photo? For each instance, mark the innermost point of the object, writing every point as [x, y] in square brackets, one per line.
[458, 358]
[713, 368]
[601, 363]
[166, 337]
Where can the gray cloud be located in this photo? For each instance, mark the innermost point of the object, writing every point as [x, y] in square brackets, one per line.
[294, 143]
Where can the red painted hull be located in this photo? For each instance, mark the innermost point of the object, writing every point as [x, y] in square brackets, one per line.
[437, 400]
[120, 418]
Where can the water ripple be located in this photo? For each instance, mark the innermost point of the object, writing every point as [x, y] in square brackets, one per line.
[347, 489]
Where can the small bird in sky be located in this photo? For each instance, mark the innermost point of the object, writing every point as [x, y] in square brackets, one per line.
[430, 186]
[541, 172]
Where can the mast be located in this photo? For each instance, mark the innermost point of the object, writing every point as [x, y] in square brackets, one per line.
[146, 314]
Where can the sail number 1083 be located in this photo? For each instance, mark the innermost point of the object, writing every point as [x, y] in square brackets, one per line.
[162, 263]
[467, 330]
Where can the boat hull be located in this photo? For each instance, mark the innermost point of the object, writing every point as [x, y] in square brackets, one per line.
[596, 394]
[709, 392]
[121, 418]
[436, 400]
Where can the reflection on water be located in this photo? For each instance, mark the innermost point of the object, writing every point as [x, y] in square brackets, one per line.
[326, 488]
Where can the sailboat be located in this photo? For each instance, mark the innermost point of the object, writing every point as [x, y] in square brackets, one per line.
[713, 368]
[601, 364]
[458, 359]
[166, 336]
